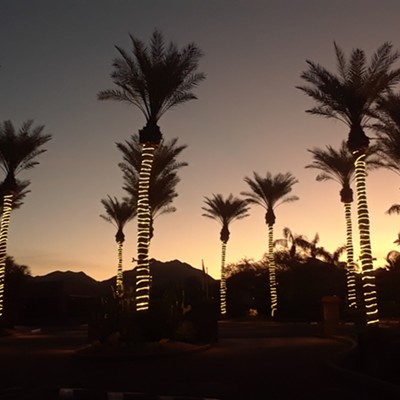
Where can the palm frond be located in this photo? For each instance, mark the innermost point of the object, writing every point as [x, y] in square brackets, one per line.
[155, 77]
[394, 209]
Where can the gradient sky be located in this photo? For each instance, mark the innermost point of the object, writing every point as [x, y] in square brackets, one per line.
[55, 55]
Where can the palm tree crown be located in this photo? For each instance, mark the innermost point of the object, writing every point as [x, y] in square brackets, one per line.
[350, 95]
[19, 150]
[270, 192]
[336, 165]
[164, 177]
[155, 78]
[118, 213]
[225, 211]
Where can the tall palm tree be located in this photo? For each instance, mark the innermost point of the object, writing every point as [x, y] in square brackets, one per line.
[338, 165]
[118, 213]
[164, 177]
[225, 211]
[18, 152]
[154, 79]
[269, 192]
[350, 97]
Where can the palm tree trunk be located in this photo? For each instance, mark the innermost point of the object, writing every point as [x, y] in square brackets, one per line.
[119, 281]
[222, 289]
[4, 226]
[351, 278]
[369, 288]
[143, 237]
[272, 271]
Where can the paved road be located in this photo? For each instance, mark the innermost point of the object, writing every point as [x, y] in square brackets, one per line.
[252, 360]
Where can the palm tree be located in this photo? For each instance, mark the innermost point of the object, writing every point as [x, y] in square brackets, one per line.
[287, 247]
[350, 97]
[119, 214]
[311, 249]
[338, 165]
[224, 211]
[269, 193]
[154, 79]
[163, 180]
[18, 152]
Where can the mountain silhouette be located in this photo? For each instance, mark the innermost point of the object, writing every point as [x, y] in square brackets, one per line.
[173, 272]
[61, 296]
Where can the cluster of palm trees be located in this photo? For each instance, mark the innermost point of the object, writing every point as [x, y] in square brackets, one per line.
[154, 79]
[268, 192]
[361, 92]
[157, 77]
[361, 96]
[162, 191]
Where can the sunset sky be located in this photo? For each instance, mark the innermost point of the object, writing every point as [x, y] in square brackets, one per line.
[55, 55]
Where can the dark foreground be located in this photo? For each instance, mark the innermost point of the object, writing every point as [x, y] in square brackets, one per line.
[253, 359]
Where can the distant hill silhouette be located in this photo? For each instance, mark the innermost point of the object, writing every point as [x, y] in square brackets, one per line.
[62, 296]
[71, 283]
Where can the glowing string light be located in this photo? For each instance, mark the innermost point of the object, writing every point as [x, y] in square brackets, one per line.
[370, 296]
[143, 237]
[119, 283]
[272, 271]
[4, 227]
[223, 280]
[350, 270]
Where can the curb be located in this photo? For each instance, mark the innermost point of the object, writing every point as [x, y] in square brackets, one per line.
[369, 380]
[163, 351]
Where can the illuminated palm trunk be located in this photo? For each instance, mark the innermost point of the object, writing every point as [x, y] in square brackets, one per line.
[369, 288]
[222, 289]
[350, 270]
[5, 223]
[143, 236]
[119, 284]
[272, 271]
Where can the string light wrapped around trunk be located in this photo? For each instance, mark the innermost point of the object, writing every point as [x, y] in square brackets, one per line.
[223, 280]
[350, 270]
[272, 270]
[119, 284]
[143, 242]
[5, 223]
[368, 278]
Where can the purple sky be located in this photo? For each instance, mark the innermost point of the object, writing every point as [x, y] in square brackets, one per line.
[56, 55]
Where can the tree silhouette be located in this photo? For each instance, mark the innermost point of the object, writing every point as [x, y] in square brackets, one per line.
[154, 79]
[164, 177]
[18, 152]
[338, 165]
[295, 248]
[311, 248]
[287, 248]
[225, 211]
[118, 213]
[350, 97]
[269, 193]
